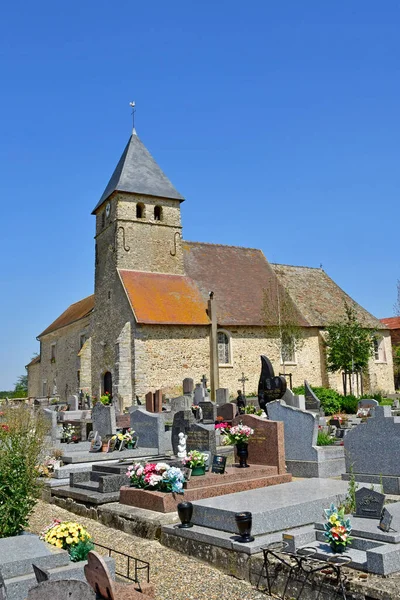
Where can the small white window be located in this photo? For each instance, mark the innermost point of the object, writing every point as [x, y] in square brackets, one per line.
[288, 350]
[224, 348]
[44, 388]
[379, 349]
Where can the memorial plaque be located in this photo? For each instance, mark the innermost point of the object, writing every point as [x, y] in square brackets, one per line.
[312, 402]
[386, 520]
[369, 504]
[92, 435]
[218, 464]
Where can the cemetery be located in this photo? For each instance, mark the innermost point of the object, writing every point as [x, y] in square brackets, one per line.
[215, 479]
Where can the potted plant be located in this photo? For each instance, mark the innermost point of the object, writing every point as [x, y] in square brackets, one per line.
[238, 436]
[71, 537]
[196, 461]
[337, 529]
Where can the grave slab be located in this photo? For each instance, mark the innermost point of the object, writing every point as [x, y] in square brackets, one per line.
[85, 457]
[274, 508]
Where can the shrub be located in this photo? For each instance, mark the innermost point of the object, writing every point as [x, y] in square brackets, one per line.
[324, 439]
[22, 433]
[348, 404]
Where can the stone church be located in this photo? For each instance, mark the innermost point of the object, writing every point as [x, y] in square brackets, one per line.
[149, 325]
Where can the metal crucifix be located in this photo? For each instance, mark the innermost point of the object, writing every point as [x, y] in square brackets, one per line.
[242, 381]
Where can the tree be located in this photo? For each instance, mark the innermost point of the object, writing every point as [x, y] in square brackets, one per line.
[283, 321]
[21, 387]
[396, 307]
[349, 346]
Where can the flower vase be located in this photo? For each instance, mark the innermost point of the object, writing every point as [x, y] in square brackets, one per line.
[243, 453]
[337, 548]
[198, 470]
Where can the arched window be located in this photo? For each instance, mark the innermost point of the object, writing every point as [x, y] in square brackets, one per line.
[140, 210]
[224, 348]
[158, 213]
[107, 383]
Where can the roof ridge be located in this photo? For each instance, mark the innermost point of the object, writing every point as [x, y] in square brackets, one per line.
[221, 245]
[155, 273]
[297, 266]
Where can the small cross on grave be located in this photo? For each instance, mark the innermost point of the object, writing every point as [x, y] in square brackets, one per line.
[204, 381]
[243, 380]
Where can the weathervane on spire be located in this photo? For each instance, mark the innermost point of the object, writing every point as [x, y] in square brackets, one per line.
[133, 104]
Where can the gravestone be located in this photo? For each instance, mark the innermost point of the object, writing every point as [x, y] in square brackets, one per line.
[104, 421]
[182, 421]
[294, 400]
[267, 445]
[73, 402]
[209, 410]
[149, 402]
[367, 403]
[372, 449]
[270, 387]
[312, 402]
[369, 504]
[227, 411]
[150, 429]
[188, 386]
[158, 401]
[181, 403]
[199, 394]
[200, 438]
[303, 457]
[222, 396]
[56, 429]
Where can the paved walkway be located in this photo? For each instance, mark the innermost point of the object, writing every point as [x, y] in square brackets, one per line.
[175, 576]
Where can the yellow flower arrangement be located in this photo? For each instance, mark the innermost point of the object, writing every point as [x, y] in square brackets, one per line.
[64, 535]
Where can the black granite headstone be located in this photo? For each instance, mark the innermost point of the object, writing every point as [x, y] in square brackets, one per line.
[270, 387]
[369, 504]
[200, 437]
[209, 410]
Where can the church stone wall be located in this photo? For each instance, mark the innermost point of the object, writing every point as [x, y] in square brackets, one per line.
[34, 389]
[61, 376]
[165, 355]
[85, 362]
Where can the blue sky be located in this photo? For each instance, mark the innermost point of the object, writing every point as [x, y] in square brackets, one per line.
[278, 122]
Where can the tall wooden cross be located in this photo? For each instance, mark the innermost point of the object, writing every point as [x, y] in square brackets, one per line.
[242, 381]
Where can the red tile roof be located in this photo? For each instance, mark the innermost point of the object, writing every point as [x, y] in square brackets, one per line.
[157, 298]
[392, 322]
[75, 312]
[242, 280]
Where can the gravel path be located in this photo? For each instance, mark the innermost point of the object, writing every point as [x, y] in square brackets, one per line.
[175, 576]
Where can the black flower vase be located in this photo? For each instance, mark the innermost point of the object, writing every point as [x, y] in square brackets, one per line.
[244, 522]
[243, 453]
[185, 511]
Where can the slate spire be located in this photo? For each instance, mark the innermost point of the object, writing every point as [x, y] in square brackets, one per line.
[137, 172]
